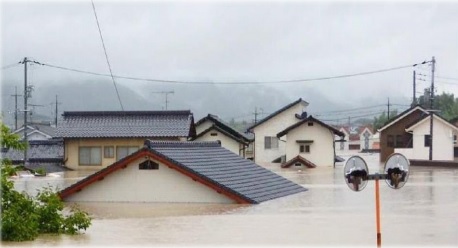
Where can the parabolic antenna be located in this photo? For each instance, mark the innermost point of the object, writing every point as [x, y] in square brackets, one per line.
[397, 168]
[355, 173]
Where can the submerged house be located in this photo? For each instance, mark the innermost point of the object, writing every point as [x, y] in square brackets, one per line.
[309, 143]
[267, 146]
[45, 154]
[37, 131]
[212, 128]
[393, 134]
[95, 139]
[444, 139]
[186, 172]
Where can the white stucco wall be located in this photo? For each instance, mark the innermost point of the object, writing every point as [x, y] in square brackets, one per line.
[362, 142]
[321, 150]
[226, 141]
[442, 142]
[134, 185]
[203, 126]
[271, 128]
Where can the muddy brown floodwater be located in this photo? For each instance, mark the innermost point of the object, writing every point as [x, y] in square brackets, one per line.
[422, 213]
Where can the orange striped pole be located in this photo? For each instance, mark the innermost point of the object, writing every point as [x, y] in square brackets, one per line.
[377, 213]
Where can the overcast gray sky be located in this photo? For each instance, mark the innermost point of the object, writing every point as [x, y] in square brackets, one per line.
[238, 41]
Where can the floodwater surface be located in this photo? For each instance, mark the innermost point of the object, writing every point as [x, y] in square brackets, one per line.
[422, 213]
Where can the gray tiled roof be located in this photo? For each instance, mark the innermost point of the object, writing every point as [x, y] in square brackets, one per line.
[38, 151]
[104, 124]
[224, 168]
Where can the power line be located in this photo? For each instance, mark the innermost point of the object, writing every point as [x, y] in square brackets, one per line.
[10, 65]
[227, 82]
[106, 56]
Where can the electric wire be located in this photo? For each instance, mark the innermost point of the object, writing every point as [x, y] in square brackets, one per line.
[227, 82]
[10, 65]
[106, 56]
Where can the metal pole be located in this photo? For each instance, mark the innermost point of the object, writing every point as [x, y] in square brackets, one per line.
[414, 102]
[431, 105]
[377, 213]
[388, 108]
[56, 112]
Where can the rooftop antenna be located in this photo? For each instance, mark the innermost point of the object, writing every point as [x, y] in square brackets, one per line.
[166, 93]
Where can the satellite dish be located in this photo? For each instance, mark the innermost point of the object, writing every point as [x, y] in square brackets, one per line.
[397, 168]
[355, 173]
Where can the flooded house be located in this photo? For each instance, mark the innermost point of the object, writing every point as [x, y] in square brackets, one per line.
[37, 131]
[182, 172]
[310, 142]
[267, 147]
[393, 134]
[443, 139]
[95, 139]
[212, 128]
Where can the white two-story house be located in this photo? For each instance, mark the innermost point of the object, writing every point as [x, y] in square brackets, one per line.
[267, 147]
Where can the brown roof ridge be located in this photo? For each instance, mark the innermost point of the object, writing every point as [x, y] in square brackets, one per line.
[299, 159]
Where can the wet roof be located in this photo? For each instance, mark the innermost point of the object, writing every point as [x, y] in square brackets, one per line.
[108, 124]
[212, 164]
[38, 151]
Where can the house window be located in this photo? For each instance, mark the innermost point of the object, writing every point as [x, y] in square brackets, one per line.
[90, 155]
[270, 142]
[148, 165]
[304, 148]
[108, 151]
[427, 140]
[454, 139]
[124, 151]
[297, 164]
[214, 134]
[310, 124]
[390, 141]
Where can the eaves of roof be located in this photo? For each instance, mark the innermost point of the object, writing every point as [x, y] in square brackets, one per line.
[299, 159]
[308, 119]
[276, 113]
[225, 127]
[400, 116]
[223, 131]
[426, 118]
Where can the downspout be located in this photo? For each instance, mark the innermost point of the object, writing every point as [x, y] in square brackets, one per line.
[334, 148]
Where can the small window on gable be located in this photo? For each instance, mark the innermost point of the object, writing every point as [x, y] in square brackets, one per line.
[297, 164]
[148, 165]
[427, 140]
[310, 124]
[213, 134]
[304, 148]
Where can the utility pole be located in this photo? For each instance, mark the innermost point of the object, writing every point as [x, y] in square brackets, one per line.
[57, 103]
[431, 106]
[26, 94]
[414, 101]
[256, 113]
[15, 107]
[166, 93]
[388, 108]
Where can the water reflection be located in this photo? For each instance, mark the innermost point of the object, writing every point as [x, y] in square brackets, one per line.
[423, 212]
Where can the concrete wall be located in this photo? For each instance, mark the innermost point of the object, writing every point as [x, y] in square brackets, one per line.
[321, 150]
[134, 185]
[271, 128]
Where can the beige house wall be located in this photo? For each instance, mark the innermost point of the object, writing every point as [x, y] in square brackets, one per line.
[203, 126]
[134, 185]
[71, 150]
[321, 150]
[271, 128]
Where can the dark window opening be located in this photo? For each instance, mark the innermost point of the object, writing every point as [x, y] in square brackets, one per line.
[214, 134]
[390, 141]
[304, 148]
[310, 124]
[297, 164]
[427, 140]
[399, 141]
[148, 165]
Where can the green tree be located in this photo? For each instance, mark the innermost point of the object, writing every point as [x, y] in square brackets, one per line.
[381, 120]
[25, 217]
[446, 103]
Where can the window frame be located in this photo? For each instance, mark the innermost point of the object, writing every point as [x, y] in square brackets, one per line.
[110, 155]
[271, 143]
[91, 163]
[128, 153]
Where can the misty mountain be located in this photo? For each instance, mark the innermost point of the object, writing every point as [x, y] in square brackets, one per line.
[236, 102]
